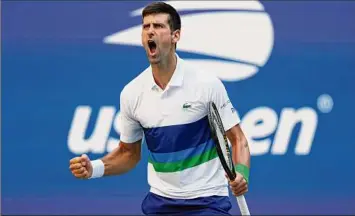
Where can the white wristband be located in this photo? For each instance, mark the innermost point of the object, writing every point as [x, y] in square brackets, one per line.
[98, 169]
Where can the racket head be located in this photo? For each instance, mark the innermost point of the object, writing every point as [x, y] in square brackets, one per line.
[219, 137]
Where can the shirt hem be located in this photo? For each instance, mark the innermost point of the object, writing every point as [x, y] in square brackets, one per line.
[221, 191]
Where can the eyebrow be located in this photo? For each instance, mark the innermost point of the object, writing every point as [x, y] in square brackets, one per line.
[154, 23]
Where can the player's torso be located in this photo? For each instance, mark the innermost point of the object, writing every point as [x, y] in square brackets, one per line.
[182, 157]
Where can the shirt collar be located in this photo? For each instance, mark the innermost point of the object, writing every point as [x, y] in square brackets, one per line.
[176, 79]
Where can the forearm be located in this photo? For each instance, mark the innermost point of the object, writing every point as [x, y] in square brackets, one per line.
[120, 161]
[241, 156]
[240, 151]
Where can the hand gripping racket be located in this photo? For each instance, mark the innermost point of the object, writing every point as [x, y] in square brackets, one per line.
[219, 137]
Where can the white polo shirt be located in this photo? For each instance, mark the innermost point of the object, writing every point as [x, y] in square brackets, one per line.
[183, 161]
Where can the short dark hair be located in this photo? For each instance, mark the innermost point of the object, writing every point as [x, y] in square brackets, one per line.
[161, 7]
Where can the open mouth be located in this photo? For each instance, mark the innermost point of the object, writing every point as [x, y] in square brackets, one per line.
[152, 46]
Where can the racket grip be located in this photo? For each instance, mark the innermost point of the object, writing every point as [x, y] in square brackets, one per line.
[242, 205]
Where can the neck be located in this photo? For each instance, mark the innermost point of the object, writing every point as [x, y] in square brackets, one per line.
[164, 70]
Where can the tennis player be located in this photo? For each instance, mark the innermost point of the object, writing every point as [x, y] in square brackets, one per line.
[166, 105]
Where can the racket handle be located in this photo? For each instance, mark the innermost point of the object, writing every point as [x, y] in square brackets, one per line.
[242, 205]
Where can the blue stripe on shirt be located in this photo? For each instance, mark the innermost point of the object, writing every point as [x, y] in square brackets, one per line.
[183, 154]
[177, 137]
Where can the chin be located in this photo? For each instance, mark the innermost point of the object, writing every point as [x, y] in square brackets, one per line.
[153, 60]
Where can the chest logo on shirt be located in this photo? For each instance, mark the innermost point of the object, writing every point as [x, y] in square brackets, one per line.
[186, 105]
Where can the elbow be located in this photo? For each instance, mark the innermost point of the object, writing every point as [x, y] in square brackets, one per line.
[131, 154]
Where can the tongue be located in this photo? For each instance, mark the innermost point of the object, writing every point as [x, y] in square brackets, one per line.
[153, 49]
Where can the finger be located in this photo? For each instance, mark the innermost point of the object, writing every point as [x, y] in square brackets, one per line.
[241, 188]
[82, 175]
[241, 192]
[85, 159]
[241, 185]
[79, 171]
[86, 174]
[229, 180]
[238, 179]
[75, 160]
[75, 166]
[233, 184]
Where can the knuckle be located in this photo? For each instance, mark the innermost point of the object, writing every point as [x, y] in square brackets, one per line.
[77, 171]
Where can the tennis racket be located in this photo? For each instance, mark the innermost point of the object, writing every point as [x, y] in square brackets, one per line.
[223, 150]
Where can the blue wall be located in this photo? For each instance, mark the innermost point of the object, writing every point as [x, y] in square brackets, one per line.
[54, 61]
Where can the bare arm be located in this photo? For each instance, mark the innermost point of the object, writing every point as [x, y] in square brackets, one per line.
[241, 158]
[125, 156]
[122, 159]
[240, 147]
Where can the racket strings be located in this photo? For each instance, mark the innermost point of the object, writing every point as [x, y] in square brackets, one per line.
[222, 139]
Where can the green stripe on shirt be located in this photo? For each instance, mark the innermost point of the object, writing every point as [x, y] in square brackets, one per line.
[184, 164]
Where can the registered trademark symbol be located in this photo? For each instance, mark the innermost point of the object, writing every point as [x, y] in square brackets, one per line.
[325, 103]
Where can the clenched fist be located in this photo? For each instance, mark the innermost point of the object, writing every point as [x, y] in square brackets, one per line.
[238, 186]
[81, 167]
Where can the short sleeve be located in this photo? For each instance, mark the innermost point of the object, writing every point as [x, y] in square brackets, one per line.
[130, 129]
[218, 94]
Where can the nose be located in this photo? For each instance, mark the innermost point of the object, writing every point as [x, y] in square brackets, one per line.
[151, 31]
